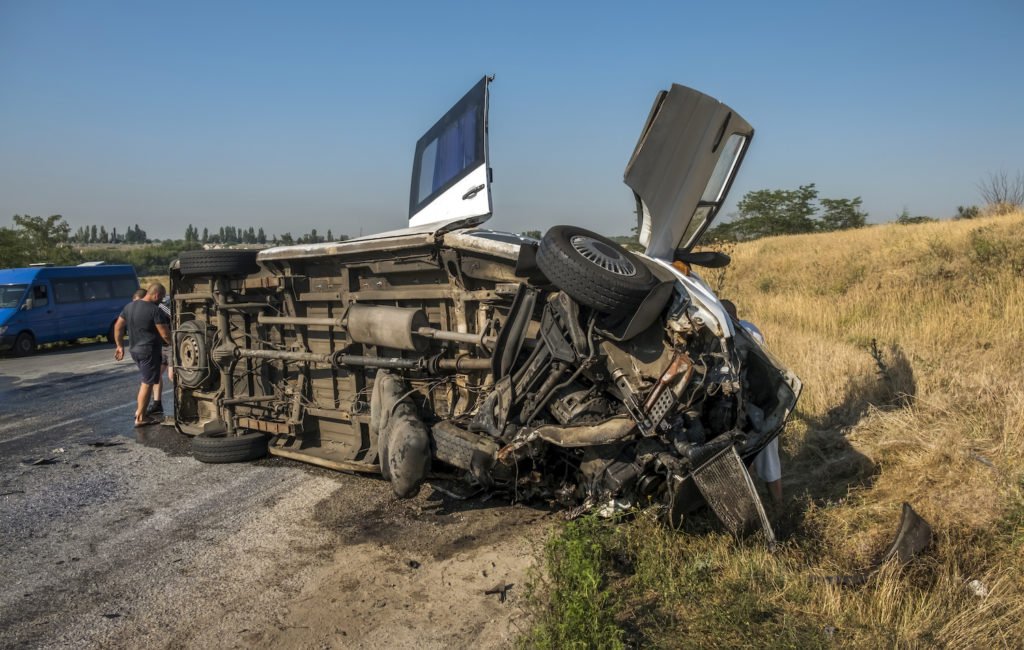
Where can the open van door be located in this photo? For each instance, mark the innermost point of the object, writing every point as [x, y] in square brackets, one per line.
[683, 165]
[451, 179]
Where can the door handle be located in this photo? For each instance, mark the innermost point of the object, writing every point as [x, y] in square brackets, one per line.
[473, 192]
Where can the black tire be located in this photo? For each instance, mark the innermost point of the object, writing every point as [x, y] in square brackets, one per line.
[218, 262]
[229, 449]
[611, 280]
[24, 345]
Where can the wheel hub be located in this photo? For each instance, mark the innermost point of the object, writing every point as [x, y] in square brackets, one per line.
[188, 352]
[608, 258]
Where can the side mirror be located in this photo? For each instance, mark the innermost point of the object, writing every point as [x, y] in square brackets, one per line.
[28, 304]
[708, 259]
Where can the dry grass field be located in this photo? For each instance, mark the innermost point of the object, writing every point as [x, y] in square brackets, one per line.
[910, 342]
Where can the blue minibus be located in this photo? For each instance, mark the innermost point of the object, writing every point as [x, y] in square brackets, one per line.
[61, 303]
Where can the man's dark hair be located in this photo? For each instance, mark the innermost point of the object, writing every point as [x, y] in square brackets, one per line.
[139, 294]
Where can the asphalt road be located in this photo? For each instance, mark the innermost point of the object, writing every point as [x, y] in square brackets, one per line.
[116, 537]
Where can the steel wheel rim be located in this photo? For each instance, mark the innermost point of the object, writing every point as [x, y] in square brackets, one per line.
[601, 254]
[188, 352]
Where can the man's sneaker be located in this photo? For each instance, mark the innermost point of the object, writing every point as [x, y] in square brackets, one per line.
[156, 408]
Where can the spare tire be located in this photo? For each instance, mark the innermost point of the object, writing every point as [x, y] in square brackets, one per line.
[595, 271]
[192, 358]
[229, 449]
[218, 262]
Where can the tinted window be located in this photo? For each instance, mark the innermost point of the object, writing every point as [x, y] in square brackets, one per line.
[66, 291]
[96, 289]
[125, 287]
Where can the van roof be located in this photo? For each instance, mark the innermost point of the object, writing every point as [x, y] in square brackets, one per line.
[26, 275]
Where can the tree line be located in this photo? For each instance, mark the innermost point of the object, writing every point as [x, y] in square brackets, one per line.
[49, 240]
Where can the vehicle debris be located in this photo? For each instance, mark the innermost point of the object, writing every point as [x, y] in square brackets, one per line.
[567, 369]
[978, 588]
[501, 589]
[40, 461]
[913, 535]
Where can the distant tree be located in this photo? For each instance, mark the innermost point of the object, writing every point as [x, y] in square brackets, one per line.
[904, 218]
[1001, 193]
[287, 239]
[104, 237]
[206, 235]
[94, 238]
[261, 237]
[36, 239]
[842, 214]
[536, 234]
[330, 237]
[970, 212]
[776, 212]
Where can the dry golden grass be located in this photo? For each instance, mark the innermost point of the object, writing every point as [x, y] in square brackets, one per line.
[941, 428]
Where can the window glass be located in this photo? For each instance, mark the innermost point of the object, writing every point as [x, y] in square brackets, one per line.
[700, 216]
[96, 289]
[39, 297]
[124, 287]
[724, 169]
[10, 295]
[66, 291]
[427, 171]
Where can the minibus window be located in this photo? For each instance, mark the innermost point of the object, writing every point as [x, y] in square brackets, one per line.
[39, 297]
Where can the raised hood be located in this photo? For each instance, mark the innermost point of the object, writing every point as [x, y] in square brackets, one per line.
[682, 168]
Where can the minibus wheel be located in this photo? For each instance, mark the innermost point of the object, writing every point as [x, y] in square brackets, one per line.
[24, 345]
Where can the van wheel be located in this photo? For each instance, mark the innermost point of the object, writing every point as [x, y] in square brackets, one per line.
[593, 270]
[24, 345]
[218, 262]
[229, 449]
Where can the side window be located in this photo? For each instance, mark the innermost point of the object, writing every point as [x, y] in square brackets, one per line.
[39, 297]
[124, 287]
[97, 289]
[66, 291]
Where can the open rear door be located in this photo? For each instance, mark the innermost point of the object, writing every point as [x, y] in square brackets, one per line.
[450, 173]
[683, 165]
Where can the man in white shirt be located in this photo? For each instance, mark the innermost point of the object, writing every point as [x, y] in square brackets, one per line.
[766, 463]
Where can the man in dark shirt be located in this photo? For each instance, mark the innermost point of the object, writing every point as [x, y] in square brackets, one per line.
[148, 329]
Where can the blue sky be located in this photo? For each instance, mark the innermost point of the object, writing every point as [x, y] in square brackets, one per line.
[297, 115]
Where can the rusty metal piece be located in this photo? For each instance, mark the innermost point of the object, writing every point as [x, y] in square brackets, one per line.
[585, 435]
[388, 327]
[342, 465]
[297, 320]
[285, 355]
[268, 426]
[912, 536]
[458, 337]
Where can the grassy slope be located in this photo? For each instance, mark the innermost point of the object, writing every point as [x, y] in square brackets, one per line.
[941, 428]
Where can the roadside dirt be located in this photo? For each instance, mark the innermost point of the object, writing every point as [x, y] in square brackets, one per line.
[413, 574]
